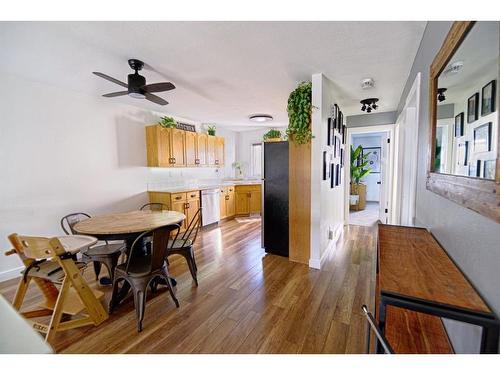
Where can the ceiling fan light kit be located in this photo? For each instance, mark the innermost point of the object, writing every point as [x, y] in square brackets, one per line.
[136, 85]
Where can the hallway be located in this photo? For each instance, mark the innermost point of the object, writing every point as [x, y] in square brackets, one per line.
[366, 217]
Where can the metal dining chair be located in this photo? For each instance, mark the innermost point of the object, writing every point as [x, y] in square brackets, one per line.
[154, 207]
[142, 269]
[183, 245]
[383, 344]
[107, 254]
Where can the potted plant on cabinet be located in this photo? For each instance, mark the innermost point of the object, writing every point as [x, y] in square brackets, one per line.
[359, 170]
[272, 135]
[299, 110]
[211, 129]
[168, 122]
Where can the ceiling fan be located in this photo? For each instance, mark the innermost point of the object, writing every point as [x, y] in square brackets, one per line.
[136, 87]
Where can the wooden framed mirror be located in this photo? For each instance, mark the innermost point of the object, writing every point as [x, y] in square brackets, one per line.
[464, 147]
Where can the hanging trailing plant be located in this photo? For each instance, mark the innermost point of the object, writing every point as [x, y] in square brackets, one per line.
[299, 114]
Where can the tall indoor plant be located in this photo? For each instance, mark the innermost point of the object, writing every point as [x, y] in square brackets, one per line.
[359, 170]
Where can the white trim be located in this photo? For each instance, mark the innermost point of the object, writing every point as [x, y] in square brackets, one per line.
[315, 263]
[338, 233]
[390, 128]
[11, 274]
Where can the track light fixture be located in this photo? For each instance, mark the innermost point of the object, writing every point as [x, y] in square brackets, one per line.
[369, 104]
[440, 94]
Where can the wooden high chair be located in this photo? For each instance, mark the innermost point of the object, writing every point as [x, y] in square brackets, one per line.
[49, 263]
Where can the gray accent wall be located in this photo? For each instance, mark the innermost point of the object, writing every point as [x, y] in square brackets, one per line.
[446, 111]
[472, 240]
[382, 118]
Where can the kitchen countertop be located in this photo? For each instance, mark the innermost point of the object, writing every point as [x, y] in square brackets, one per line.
[180, 189]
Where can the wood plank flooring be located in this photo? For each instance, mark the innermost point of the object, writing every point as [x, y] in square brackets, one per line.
[247, 301]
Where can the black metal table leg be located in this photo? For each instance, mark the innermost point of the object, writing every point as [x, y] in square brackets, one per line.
[381, 322]
[489, 340]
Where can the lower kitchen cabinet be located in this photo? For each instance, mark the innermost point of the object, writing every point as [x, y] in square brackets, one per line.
[227, 205]
[248, 199]
[187, 203]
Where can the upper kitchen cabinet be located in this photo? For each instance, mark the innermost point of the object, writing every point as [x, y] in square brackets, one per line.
[191, 149]
[201, 149]
[178, 148]
[219, 151]
[211, 146]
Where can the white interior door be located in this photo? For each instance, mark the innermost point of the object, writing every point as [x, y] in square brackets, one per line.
[384, 206]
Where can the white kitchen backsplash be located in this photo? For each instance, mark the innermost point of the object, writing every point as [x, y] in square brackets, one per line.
[162, 178]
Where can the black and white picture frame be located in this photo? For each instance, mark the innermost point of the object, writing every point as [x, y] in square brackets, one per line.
[325, 165]
[342, 157]
[341, 121]
[337, 175]
[482, 138]
[463, 153]
[473, 108]
[475, 169]
[489, 167]
[459, 125]
[344, 134]
[488, 94]
[329, 132]
[332, 175]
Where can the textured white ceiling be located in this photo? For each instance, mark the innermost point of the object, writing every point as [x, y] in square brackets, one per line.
[223, 71]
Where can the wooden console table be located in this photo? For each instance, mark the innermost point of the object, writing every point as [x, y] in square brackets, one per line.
[416, 273]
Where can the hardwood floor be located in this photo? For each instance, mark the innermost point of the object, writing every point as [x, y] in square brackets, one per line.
[247, 301]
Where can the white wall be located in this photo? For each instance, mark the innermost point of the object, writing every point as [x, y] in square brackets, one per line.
[63, 151]
[327, 212]
[372, 188]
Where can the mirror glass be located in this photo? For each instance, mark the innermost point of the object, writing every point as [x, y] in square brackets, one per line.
[467, 101]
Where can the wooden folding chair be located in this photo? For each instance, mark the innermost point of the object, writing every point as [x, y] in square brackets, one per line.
[48, 264]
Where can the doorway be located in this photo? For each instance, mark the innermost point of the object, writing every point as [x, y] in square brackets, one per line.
[370, 200]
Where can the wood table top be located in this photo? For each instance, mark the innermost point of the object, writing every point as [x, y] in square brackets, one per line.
[413, 264]
[74, 243]
[128, 222]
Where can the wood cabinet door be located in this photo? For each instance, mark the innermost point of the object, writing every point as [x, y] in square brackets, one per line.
[230, 208]
[201, 149]
[219, 151]
[177, 147]
[223, 205]
[180, 206]
[190, 149]
[242, 203]
[211, 145]
[192, 207]
[255, 202]
[158, 146]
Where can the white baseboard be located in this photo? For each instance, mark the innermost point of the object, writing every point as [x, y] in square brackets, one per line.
[315, 263]
[338, 233]
[10, 274]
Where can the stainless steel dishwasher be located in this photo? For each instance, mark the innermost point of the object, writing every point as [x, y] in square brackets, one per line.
[210, 206]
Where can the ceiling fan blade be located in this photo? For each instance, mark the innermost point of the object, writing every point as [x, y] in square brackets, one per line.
[113, 94]
[111, 79]
[155, 99]
[158, 87]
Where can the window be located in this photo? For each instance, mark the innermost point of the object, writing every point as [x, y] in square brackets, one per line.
[256, 160]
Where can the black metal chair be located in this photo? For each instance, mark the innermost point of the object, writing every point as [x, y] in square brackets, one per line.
[142, 269]
[383, 345]
[184, 245]
[107, 254]
[154, 207]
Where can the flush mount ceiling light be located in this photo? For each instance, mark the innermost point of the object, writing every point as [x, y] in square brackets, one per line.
[367, 83]
[260, 117]
[454, 67]
[369, 104]
[440, 94]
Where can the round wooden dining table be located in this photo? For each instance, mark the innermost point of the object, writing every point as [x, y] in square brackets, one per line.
[127, 226]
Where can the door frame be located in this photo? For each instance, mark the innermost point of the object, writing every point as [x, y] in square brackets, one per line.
[390, 129]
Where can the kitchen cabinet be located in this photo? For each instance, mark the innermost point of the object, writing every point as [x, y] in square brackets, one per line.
[165, 147]
[227, 204]
[201, 149]
[187, 202]
[211, 145]
[248, 199]
[219, 151]
[191, 149]
[179, 148]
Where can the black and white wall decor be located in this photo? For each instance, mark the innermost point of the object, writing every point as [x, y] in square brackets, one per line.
[472, 108]
[482, 138]
[488, 94]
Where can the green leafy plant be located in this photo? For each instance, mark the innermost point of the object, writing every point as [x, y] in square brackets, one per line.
[299, 114]
[168, 122]
[273, 133]
[359, 164]
[238, 168]
[211, 129]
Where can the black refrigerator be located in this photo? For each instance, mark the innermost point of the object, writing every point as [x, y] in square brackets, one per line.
[275, 198]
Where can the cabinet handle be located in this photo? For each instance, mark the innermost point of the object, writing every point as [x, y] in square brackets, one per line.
[187, 205]
[216, 162]
[197, 161]
[227, 197]
[173, 160]
[178, 198]
[193, 196]
[249, 195]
